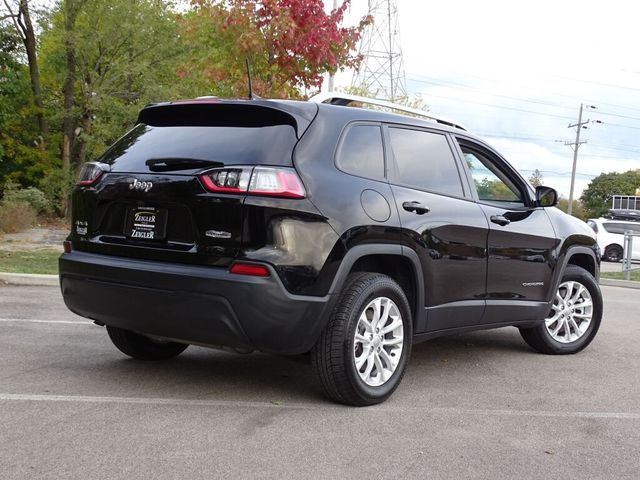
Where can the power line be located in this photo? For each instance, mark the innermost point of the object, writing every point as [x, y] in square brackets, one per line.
[618, 115]
[460, 86]
[537, 89]
[593, 82]
[515, 137]
[622, 126]
[502, 106]
[523, 110]
[559, 153]
[558, 174]
[518, 136]
[598, 145]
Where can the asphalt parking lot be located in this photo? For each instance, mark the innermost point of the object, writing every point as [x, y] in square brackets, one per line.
[479, 405]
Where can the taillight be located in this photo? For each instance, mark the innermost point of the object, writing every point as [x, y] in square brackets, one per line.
[250, 269]
[268, 181]
[66, 245]
[229, 180]
[91, 173]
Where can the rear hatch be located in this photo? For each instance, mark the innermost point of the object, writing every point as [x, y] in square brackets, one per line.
[173, 188]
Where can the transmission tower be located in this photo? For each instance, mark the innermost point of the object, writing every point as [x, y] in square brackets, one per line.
[382, 68]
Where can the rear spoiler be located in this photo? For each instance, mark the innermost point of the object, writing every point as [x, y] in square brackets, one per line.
[224, 113]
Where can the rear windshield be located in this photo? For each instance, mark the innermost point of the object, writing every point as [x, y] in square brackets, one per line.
[267, 145]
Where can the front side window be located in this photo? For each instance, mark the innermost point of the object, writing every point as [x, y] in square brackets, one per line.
[492, 185]
[361, 152]
[425, 161]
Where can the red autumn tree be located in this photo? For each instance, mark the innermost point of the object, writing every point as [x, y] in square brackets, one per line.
[290, 44]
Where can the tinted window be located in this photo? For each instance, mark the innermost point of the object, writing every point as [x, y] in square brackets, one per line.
[268, 145]
[492, 185]
[613, 227]
[361, 152]
[424, 160]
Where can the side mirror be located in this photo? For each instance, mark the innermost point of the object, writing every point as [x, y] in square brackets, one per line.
[546, 197]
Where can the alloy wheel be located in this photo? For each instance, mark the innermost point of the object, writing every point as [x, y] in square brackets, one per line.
[378, 341]
[571, 312]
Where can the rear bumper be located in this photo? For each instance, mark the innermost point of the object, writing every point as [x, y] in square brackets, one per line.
[194, 304]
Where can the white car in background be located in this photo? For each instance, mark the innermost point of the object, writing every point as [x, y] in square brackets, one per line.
[610, 236]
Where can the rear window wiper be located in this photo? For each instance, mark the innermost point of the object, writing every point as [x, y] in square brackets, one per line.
[179, 163]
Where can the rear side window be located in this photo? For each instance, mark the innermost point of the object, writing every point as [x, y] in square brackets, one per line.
[614, 227]
[361, 152]
[424, 160]
[593, 225]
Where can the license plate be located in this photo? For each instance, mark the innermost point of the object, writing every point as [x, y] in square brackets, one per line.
[146, 223]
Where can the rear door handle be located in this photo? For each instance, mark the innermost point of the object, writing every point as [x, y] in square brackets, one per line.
[500, 220]
[417, 207]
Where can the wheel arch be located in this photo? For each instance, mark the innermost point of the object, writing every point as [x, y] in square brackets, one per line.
[584, 260]
[578, 255]
[399, 263]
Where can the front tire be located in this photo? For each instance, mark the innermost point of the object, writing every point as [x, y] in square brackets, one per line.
[574, 318]
[142, 347]
[361, 355]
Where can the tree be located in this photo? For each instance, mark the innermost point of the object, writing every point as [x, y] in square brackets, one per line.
[577, 209]
[596, 198]
[21, 18]
[536, 179]
[71, 8]
[290, 44]
[108, 58]
[22, 153]
[413, 101]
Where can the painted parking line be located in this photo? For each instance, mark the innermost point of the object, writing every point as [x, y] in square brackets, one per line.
[33, 320]
[15, 397]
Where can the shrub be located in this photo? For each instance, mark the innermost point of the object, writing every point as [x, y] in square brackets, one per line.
[57, 186]
[31, 196]
[16, 216]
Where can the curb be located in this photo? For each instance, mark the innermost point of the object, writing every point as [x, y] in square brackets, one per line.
[610, 282]
[30, 279]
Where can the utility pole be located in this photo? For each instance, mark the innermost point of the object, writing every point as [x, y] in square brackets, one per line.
[575, 146]
[331, 75]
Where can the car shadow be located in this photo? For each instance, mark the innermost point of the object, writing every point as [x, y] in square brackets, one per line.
[207, 374]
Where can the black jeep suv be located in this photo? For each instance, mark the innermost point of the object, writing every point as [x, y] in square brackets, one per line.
[295, 227]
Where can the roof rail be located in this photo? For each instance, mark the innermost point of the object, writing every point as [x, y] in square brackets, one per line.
[344, 99]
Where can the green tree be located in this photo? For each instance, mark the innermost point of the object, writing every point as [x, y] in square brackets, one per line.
[21, 156]
[19, 12]
[577, 209]
[494, 190]
[596, 198]
[104, 60]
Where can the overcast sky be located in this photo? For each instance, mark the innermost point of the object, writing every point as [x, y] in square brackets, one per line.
[515, 73]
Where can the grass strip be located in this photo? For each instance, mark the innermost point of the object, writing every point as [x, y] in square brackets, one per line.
[635, 275]
[35, 261]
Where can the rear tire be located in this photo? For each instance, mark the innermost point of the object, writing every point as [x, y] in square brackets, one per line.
[574, 319]
[142, 347]
[361, 355]
[613, 253]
